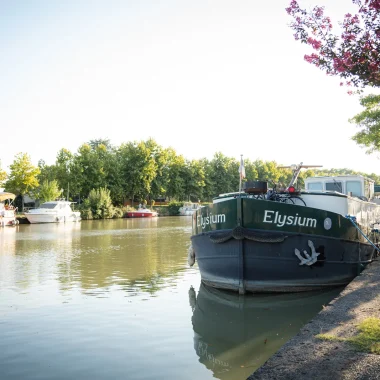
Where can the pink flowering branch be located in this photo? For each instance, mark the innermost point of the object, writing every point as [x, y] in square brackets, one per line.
[354, 55]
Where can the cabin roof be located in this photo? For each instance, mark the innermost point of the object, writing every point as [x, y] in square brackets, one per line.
[342, 177]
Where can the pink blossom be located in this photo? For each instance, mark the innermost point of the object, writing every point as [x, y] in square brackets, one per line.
[355, 54]
[318, 11]
[313, 58]
[314, 43]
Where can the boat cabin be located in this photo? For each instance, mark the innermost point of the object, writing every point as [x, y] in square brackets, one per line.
[352, 185]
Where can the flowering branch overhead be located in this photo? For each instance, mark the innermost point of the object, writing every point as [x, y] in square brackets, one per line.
[355, 54]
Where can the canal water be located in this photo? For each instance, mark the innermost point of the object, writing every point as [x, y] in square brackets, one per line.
[116, 299]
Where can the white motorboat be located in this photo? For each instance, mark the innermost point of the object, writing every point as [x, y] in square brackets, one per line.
[59, 211]
[189, 208]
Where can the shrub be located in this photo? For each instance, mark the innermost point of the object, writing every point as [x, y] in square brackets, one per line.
[86, 214]
[98, 205]
[173, 207]
[118, 212]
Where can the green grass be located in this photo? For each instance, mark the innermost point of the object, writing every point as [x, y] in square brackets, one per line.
[329, 337]
[367, 340]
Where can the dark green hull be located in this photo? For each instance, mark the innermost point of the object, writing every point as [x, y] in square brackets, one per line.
[246, 244]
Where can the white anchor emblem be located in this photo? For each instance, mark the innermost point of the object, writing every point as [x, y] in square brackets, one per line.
[307, 260]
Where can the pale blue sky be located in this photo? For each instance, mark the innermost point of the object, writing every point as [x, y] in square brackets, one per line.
[199, 76]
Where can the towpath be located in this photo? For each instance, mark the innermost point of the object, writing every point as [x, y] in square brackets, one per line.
[307, 357]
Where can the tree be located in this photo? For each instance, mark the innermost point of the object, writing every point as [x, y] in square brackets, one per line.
[208, 189]
[47, 172]
[95, 143]
[369, 121]
[224, 174]
[175, 185]
[98, 164]
[354, 53]
[158, 185]
[138, 168]
[63, 164]
[194, 180]
[48, 191]
[22, 179]
[88, 167]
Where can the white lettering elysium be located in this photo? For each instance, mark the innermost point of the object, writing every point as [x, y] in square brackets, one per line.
[279, 220]
[210, 219]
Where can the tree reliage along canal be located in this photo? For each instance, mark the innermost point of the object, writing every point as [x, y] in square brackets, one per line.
[116, 299]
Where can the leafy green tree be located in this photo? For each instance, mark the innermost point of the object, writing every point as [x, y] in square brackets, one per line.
[369, 122]
[138, 169]
[89, 168]
[224, 174]
[176, 180]
[48, 191]
[104, 167]
[208, 189]
[159, 182]
[97, 142]
[194, 180]
[250, 170]
[268, 171]
[114, 180]
[47, 172]
[22, 179]
[63, 165]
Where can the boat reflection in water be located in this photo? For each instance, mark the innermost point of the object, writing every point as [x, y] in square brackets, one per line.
[234, 334]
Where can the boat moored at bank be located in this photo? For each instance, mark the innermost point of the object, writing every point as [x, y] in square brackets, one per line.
[189, 208]
[59, 211]
[141, 213]
[261, 240]
[7, 209]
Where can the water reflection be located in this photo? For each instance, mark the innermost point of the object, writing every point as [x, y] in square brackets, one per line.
[134, 255]
[234, 335]
[7, 240]
[106, 296]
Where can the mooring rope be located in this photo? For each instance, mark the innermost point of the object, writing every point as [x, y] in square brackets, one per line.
[353, 221]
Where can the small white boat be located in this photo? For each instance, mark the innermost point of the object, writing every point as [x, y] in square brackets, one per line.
[189, 208]
[59, 211]
[7, 210]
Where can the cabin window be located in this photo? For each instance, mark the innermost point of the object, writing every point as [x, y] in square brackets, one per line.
[48, 205]
[355, 187]
[315, 186]
[334, 186]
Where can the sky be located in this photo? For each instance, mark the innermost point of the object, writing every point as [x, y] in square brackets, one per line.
[200, 76]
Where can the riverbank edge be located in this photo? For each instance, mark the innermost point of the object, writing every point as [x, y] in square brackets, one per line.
[307, 357]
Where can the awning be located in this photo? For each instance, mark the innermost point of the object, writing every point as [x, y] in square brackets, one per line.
[4, 196]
